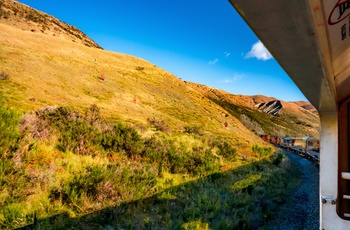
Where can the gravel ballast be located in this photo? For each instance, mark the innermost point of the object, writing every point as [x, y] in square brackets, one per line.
[301, 211]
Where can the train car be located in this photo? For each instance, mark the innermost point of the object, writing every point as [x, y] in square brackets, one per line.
[300, 142]
[313, 144]
[265, 137]
[286, 142]
[276, 140]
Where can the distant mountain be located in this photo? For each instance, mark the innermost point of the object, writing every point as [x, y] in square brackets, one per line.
[307, 106]
[266, 115]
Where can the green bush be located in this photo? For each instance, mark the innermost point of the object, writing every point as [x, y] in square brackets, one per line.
[123, 138]
[79, 137]
[227, 151]
[12, 215]
[278, 159]
[82, 184]
[102, 184]
[88, 134]
[198, 161]
[261, 150]
[93, 116]
[156, 148]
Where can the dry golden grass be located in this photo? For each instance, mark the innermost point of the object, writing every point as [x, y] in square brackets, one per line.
[26, 18]
[48, 71]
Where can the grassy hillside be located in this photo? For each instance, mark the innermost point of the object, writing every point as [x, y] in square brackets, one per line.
[96, 139]
[26, 18]
[47, 71]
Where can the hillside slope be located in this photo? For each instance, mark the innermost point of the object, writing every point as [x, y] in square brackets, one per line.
[51, 71]
[291, 118]
[127, 88]
[93, 139]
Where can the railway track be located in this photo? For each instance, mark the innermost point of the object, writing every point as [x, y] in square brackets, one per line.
[312, 156]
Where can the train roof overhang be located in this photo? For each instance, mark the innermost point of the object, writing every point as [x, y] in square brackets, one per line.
[308, 41]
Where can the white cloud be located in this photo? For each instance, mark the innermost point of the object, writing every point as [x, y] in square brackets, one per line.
[227, 54]
[235, 77]
[213, 62]
[227, 80]
[259, 52]
[238, 76]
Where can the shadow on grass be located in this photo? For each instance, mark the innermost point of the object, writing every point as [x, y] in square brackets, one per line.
[244, 198]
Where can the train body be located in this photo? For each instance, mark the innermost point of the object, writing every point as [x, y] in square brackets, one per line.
[318, 31]
[308, 147]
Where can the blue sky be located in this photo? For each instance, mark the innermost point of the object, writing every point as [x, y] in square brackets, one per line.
[201, 41]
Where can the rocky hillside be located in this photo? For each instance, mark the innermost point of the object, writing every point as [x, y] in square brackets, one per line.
[266, 115]
[28, 19]
[307, 106]
[271, 107]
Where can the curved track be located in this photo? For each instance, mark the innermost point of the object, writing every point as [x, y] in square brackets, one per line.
[301, 211]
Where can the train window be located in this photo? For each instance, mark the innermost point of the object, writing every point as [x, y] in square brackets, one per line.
[343, 199]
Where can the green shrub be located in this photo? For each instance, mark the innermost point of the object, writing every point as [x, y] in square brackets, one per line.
[278, 159]
[11, 215]
[123, 138]
[155, 149]
[88, 134]
[170, 157]
[82, 184]
[261, 150]
[78, 137]
[227, 151]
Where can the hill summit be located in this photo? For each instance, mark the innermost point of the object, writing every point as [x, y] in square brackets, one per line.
[28, 19]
